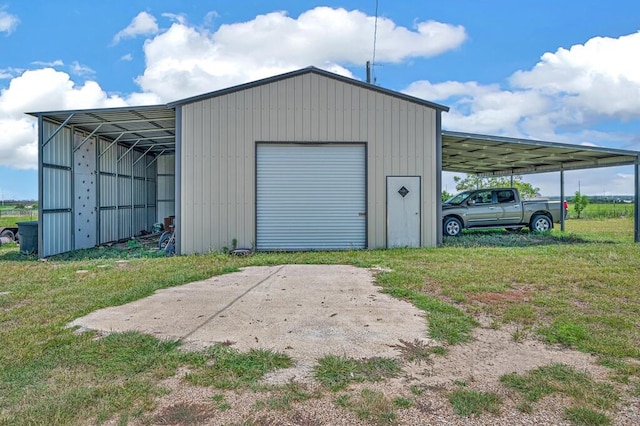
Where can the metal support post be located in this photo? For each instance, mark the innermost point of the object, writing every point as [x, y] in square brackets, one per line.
[562, 200]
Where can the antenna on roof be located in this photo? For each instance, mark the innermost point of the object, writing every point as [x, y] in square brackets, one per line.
[371, 65]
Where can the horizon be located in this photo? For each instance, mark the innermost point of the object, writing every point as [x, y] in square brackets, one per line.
[563, 72]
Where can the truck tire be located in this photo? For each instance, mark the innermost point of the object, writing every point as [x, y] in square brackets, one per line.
[7, 233]
[452, 227]
[540, 223]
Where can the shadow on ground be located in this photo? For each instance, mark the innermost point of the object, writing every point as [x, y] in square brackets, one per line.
[501, 238]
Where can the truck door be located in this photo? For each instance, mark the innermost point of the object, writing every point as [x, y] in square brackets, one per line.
[482, 209]
[510, 210]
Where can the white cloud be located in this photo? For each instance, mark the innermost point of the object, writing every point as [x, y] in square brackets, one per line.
[127, 58]
[51, 64]
[185, 61]
[143, 24]
[600, 78]
[210, 18]
[484, 108]
[571, 88]
[6, 73]
[8, 22]
[559, 99]
[176, 17]
[47, 89]
[81, 70]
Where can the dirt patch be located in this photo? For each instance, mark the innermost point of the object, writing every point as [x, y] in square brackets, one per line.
[311, 311]
[511, 296]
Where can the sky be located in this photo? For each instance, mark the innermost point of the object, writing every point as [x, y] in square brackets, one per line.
[562, 71]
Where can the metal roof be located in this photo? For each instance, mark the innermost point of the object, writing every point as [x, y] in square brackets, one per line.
[148, 128]
[487, 155]
[312, 70]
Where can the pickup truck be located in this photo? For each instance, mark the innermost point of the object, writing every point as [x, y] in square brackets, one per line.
[498, 208]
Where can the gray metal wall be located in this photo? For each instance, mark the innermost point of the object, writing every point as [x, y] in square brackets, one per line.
[166, 187]
[55, 232]
[127, 188]
[219, 135]
[92, 192]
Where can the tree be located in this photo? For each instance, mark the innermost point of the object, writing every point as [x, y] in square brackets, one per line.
[580, 202]
[446, 195]
[474, 182]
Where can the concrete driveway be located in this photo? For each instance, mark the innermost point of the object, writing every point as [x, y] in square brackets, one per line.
[306, 311]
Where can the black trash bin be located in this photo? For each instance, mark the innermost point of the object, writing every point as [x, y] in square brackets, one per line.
[28, 237]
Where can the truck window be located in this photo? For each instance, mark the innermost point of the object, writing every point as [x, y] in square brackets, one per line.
[506, 196]
[482, 197]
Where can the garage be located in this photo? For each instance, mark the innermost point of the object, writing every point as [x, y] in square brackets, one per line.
[310, 196]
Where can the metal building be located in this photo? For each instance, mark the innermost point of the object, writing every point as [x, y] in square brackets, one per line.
[304, 160]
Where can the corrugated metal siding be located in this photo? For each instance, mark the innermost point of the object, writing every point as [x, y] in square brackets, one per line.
[126, 205]
[108, 225]
[55, 224]
[219, 135]
[58, 241]
[151, 182]
[310, 197]
[58, 150]
[166, 192]
[57, 189]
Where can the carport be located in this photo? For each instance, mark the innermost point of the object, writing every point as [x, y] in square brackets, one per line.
[486, 156]
[103, 175]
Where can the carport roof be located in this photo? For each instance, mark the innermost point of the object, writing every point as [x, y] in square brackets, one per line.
[148, 128]
[487, 155]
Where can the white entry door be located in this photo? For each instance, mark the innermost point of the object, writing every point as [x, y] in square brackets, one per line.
[403, 211]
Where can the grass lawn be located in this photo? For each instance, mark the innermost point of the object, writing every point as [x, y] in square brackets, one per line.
[579, 289]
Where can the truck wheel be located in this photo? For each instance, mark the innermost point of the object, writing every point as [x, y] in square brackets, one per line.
[7, 233]
[452, 227]
[540, 223]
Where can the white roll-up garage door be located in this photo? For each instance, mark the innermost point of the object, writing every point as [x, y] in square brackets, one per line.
[310, 197]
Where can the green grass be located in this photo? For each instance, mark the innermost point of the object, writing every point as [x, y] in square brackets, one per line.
[226, 368]
[286, 396]
[336, 372]
[578, 289]
[372, 406]
[580, 416]
[604, 211]
[418, 351]
[469, 402]
[586, 393]
[13, 220]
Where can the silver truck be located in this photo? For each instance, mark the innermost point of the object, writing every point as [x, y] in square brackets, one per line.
[498, 208]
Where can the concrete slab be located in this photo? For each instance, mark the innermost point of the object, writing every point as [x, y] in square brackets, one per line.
[306, 311]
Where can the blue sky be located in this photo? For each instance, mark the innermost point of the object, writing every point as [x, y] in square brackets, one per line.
[562, 71]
